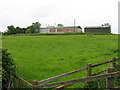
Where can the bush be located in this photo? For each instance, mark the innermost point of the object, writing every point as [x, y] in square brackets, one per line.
[117, 79]
[8, 67]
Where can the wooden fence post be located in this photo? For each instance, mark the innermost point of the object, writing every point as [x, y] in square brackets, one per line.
[89, 70]
[114, 62]
[34, 82]
[110, 80]
[89, 73]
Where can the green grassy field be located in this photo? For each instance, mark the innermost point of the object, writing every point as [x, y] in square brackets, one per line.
[41, 57]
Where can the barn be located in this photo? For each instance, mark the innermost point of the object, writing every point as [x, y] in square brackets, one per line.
[60, 29]
[98, 29]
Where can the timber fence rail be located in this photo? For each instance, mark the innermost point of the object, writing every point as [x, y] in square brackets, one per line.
[109, 76]
[75, 71]
[74, 81]
[28, 84]
[20, 79]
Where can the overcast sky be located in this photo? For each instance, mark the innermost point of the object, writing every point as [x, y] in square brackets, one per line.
[86, 13]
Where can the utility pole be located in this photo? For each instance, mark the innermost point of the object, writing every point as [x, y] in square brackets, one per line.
[74, 25]
[55, 28]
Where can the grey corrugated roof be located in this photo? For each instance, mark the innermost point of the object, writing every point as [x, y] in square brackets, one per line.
[97, 27]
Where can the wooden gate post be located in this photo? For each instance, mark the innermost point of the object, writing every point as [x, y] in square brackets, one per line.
[110, 80]
[34, 82]
[114, 62]
[89, 73]
[89, 70]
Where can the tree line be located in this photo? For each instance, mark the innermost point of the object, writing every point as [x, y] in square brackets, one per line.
[34, 28]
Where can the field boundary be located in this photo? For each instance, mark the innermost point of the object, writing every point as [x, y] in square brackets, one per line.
[49, 34]
[109, 76]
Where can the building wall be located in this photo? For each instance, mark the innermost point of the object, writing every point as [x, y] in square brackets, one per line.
[98, 30]
[44, 30]
[61, 30]
[52, 30]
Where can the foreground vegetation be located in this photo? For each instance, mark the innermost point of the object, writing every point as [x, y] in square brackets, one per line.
[8, 67]
[41, 57]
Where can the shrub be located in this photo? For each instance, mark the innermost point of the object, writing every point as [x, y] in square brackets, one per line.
[8, 67]
[117, 79]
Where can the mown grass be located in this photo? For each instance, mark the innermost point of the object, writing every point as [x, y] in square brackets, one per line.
[41, 57]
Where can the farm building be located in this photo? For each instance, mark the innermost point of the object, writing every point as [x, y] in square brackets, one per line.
[60, 29]
[99, 29]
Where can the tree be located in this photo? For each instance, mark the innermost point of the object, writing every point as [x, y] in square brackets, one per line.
[11, 30]
[30, 29]
[106, 24]
[23, 30]
[60, 25]
[18, 30]
[36, 26]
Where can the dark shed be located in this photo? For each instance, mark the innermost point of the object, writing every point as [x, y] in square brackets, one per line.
[99, 29]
